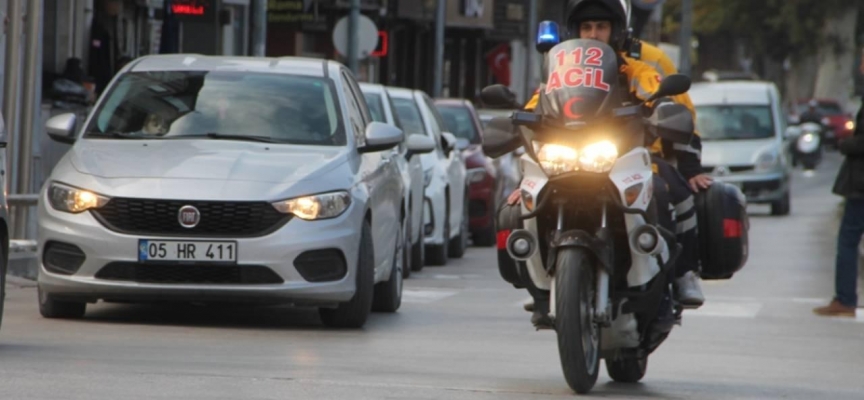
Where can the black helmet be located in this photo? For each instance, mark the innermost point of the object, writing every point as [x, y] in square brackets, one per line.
[615, 11]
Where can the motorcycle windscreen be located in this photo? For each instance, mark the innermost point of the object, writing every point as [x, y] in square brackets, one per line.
[581, 82]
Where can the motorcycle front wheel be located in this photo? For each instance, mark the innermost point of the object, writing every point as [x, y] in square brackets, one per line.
[578, 334]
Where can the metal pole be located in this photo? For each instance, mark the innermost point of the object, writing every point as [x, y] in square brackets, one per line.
[32, 73]
[353, 33]
[10, 89]
[259, 33]
[686, 35]
[530, 52]
[438, 73]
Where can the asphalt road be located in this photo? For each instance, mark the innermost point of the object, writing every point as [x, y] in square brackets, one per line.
[460, 334]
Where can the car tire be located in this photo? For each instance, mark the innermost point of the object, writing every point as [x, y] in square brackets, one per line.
[418, 251]
[782, 206]
[388, 294]
[437, 254]
[51, 308]
[4, 263]
[354, 313]
[407, 248]
[460, 243]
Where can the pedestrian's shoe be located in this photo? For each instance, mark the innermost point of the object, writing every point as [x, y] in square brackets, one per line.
[529, 305]
[835, 309]
[689, 291]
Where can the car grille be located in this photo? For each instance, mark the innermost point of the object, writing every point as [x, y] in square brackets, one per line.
[731, 168]
[217, 219]
[189, 274]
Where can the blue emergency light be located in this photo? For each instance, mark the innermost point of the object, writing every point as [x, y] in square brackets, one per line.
[548, 36]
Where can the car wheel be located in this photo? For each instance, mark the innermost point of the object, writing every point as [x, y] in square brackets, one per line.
[388, 294]
[460, 243]
[353, 314]
[50, 308]
[407, 248]
[418, 251]
[437, 254]
[782, 206]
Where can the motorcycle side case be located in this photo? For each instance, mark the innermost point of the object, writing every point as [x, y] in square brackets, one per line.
[508, 220]
[723, 230]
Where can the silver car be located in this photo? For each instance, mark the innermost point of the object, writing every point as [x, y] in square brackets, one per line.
[408, 159]
[217, 179]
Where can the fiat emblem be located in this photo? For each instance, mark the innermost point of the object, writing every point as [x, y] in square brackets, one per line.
[189, 216]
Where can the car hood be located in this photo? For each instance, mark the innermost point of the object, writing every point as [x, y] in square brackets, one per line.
[734, 152]
[207, 159]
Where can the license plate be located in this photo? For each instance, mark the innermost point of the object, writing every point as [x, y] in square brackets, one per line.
[187, 251]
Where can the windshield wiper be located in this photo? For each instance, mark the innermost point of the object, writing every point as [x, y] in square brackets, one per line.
[112, 134]
[215, 135]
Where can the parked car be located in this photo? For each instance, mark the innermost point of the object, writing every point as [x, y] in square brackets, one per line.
[484, 180]
[508, 165]
[219, 179]
[743, 139]
[840, 124]
[445, 211]
[408, 160]
[4, 218]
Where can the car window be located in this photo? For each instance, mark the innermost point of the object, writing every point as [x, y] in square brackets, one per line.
[824, 108]
[734, 122]
[358, 95]
[376, 106]
[177, 104]
[459, 121]
[437, 123]
[396, 120]
[358, 126]
[409, 116]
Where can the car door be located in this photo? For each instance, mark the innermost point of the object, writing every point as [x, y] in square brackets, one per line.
[452, 159]
[373, 172]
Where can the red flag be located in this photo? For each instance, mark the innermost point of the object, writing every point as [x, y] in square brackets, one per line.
[498, 61]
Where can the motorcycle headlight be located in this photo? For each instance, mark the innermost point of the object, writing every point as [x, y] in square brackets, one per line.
[808, 143]
[319, 206]
[72, 200]
[767, 160]
[557, 159]
[850, 125]
[598, 157]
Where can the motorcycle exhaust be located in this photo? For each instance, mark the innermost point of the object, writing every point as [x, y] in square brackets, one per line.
[522, 245]
[645, 240]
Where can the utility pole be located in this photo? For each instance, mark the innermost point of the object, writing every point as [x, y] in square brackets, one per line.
[438, 80]
[12, 71]
[530, 52]
[686, 35]
[259, 30]
[353, 33]
[32, 75]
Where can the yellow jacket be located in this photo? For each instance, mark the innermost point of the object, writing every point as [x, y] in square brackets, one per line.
[644, 80]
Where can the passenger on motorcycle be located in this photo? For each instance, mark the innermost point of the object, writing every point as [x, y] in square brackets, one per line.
[606, 21]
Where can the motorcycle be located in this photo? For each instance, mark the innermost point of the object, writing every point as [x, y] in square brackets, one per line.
[806, 144]
[587, 226]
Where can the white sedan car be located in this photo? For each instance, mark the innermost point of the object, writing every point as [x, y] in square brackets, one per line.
[408, 159]
[446, 203]
[218, 179]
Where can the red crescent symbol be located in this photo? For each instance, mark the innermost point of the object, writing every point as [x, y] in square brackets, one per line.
[568, 108]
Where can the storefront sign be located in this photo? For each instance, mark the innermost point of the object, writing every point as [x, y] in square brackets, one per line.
[301, 14]
[193, 10]
[478, 14]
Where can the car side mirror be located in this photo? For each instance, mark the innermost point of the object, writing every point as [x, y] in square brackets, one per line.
[501, 137]
[499, 96]
[449, 142]
[381, 136]
[418, 144]
[61, 128]
[672, 85]
[673, 122]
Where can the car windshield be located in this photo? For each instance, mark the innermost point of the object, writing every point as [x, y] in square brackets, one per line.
[376, 106]
[409, 116]
[824, 108]
[460, 122]
[231, 105]
[734, 122]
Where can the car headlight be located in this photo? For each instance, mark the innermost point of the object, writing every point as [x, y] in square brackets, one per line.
[850, 125]
[319, 206]
[73, 200]
[598, 157]
[557, 159]
[427, 178]
[767, 160]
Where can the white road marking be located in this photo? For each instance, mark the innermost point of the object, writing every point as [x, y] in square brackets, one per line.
[424, 296]
[728, 310]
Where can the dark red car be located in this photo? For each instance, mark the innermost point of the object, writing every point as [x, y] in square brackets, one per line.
[462, 121]
[842, 124]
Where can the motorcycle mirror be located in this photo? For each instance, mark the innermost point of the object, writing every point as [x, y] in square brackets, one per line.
[672, 85]
[500, 137]
[673, 122]
[499, 96]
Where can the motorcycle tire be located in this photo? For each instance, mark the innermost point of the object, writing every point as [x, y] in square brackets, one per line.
[574, 292]
[627, 370]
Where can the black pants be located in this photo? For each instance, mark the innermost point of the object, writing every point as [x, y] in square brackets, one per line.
[673, 193]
